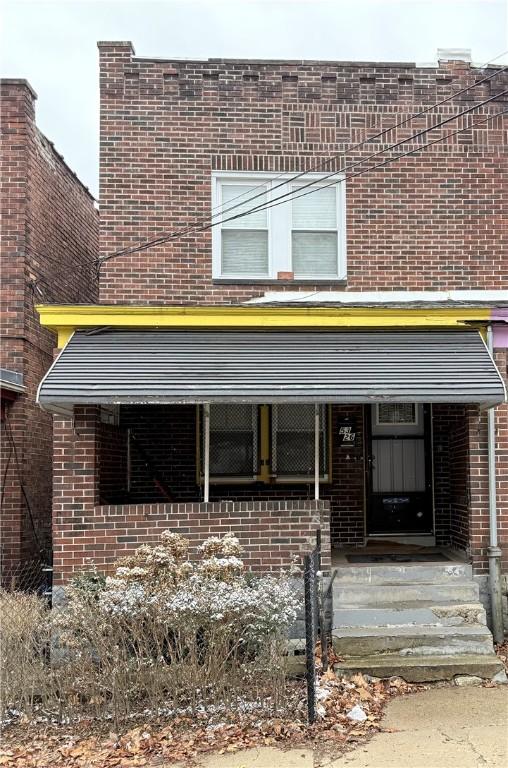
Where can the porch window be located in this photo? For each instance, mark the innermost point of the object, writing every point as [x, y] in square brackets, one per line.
[293, 442]
[251, 443]
[233, 441]
[302, 235]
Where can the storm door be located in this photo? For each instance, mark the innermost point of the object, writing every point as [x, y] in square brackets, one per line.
[399, 469]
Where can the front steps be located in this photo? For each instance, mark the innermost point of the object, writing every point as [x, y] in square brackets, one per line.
[419, 622]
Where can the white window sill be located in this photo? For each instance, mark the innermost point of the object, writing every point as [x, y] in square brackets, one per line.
[272, 281]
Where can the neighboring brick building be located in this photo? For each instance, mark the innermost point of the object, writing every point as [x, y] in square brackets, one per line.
[49, 235]
[181, 137]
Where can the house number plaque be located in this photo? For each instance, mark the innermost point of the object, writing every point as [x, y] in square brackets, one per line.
[347, 432]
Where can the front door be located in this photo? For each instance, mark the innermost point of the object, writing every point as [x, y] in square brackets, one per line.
[399, 469]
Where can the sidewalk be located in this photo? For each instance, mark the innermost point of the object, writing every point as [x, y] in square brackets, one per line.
[438, 728]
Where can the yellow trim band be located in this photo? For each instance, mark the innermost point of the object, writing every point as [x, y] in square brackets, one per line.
[65, 319]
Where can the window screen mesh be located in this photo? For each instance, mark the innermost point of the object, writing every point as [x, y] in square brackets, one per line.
[233, 440]
[293, 440]
[396, 413]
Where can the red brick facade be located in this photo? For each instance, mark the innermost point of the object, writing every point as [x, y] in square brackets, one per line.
[49, 236]
[435, 220]
[98, 517]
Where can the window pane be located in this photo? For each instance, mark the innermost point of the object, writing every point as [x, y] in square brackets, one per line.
[293, 440]
[231, 454]
[396, 413]
[295, 453]
[230, 198]
[296, 418]
[315, 211]
[314, 253]
[233, 440]
[231, 418]
[244, 252]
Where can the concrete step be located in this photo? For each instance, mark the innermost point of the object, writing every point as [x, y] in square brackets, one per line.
[413, 640]
[403, 614]
[353, 595]
[428, 573]
[413, 670]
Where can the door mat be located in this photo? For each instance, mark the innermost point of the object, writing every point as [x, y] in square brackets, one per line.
[438, 557]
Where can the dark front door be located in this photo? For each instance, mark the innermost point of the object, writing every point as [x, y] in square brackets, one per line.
[399, 469]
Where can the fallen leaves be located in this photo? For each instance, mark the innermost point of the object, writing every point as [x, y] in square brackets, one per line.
[182, 739]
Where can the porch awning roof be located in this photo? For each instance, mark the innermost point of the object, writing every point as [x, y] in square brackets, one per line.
[164, 366]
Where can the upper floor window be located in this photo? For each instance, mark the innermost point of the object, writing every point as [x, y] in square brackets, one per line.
[303, 236]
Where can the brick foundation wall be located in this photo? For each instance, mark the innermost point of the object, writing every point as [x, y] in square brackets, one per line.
[434, 220]
[271, 530]
[49, 236]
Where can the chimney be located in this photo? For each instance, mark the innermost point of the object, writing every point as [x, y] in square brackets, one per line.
[454, 54]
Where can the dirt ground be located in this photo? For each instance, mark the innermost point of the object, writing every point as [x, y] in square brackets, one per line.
[438, 728]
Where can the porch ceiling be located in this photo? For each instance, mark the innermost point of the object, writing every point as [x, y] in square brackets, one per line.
[162, 366]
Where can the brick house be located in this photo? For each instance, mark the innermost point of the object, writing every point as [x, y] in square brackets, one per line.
[319, 363]
[49, 222]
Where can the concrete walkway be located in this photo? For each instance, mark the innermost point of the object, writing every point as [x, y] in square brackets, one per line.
[438, 728]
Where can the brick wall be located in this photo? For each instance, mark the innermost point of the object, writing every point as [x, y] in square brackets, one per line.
[167, 435]
[450, 457]
[271, 530]
[49, 235]
[435, 220]
[501, 357]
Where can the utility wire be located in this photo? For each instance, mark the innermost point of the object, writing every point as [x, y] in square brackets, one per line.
[326, 162]
[393, 159]
[392, 128]
[201, 228]
[21, 484]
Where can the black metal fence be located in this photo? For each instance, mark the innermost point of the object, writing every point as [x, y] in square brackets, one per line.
[317, 622]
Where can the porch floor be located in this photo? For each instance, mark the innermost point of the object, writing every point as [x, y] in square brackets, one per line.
[385, 552]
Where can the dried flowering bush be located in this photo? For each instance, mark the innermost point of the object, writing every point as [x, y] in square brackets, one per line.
[24, 644]
[163, 633]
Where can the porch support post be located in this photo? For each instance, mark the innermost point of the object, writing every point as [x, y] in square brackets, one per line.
[316, 451]
[206, 478]
[493, 550]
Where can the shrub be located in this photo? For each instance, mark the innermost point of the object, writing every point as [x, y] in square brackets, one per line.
[165, 634]
[24, 646]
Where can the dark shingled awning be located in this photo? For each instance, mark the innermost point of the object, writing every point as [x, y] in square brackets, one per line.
[167, 366]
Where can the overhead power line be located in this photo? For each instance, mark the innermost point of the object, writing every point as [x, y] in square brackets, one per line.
[200, 227]
[393, 159]
[207, 223]
[329, 160]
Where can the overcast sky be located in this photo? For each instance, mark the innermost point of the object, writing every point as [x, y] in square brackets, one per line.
[53, 44]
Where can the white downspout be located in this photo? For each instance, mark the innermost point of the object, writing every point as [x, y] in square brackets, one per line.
[206, 477]
[493, 550]
[316, 451]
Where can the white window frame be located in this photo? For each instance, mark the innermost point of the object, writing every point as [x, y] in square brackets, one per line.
[279, 223]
